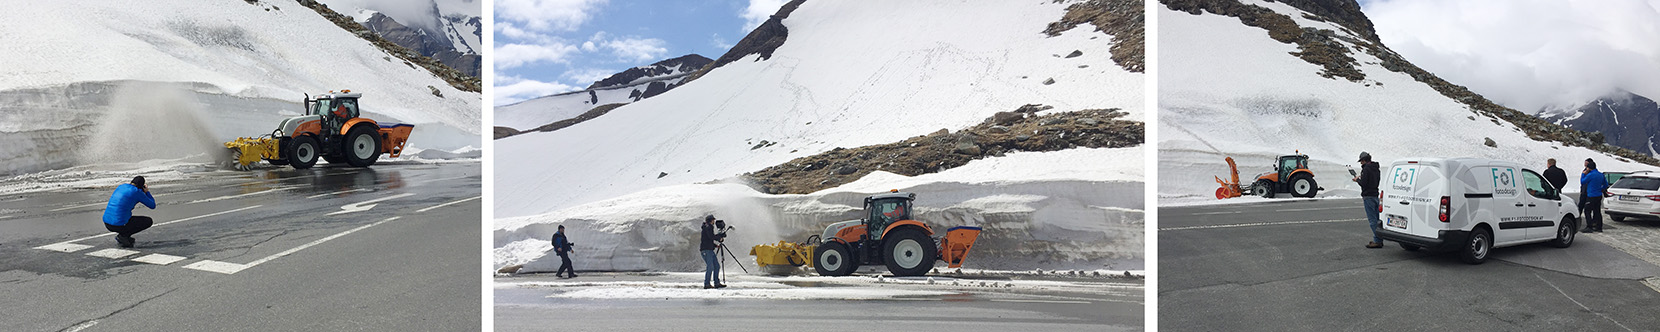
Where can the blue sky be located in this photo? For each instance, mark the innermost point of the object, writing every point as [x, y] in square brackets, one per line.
[544, 47]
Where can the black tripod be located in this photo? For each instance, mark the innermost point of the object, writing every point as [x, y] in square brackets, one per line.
[719, 248]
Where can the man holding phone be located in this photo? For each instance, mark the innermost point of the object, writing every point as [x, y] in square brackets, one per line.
[118, 215]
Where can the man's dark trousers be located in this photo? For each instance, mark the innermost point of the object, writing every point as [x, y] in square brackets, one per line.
[134, 225]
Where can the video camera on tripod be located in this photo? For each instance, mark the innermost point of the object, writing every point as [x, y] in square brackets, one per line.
[720, 244]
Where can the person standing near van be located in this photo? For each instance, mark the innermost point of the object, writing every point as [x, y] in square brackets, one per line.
[1368, 180]
[1594, 184]
[1554, 175]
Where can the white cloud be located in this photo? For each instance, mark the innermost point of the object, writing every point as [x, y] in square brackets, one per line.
[545, 15]
[719, 42]
[1529, 54]
[587, 75]
[525, 89]
[759, 11]
[514, 55]
[637, 49]
[588, 46]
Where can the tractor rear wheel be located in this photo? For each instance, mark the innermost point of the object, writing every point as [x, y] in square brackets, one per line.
[1304, 186]
[362, 146]
[909, 252]
[834, 259]
[302, 152]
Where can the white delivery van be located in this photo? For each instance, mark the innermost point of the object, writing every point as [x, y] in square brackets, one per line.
[1471, 206]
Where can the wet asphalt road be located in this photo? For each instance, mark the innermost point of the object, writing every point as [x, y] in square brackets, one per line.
[530, 309]
[1301, 265]
[267, 250]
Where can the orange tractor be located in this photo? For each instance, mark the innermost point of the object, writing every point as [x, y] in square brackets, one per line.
[887, 236]
[1290, 175]
[331, 129]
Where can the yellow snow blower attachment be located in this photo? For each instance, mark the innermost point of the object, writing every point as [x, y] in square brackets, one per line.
[245, 151]
[783, 258]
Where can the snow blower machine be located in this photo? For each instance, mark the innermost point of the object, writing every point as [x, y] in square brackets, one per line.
[888, 235]
[1290, 175]
[331, 129]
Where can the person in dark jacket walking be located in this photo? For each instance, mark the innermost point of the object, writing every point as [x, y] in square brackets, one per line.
[1555, 176]
[706, 246]
[1594, 183]
[118, 215]
[1368, 180]
[562, 247]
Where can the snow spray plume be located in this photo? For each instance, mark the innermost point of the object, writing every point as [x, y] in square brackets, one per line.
[148, 120]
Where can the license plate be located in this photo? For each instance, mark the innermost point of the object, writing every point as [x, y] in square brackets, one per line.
[1629, 198]
[1397, 221]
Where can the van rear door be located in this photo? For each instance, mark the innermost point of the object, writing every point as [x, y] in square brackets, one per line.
[1411, 198]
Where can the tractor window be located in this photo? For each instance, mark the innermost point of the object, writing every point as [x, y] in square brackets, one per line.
[348, 107]
[321, 106]
[1288, 164]
[883, 213]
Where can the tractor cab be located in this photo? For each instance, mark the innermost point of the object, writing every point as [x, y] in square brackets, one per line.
[886, 209]
[1290, 163]
[334, 108]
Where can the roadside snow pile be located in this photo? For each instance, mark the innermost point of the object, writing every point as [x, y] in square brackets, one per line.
[822, 288]
[239, 67]
[1054, 210]
[850, 74]
[1228, 90]
[159, 172]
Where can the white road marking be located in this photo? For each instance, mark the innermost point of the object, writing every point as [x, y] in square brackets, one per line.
[443, 179]
[1581, 305]
[1257, 224]
[336, 193]
[216, 266]
[447, 204]
[107, 203]
[112, 253]
[232, 268]
[158, 259]
[1210, 213]
[1042, 301]
[6, 217]
[81, 326]
[64, 247]
[49, 246]
[370, 204]
[220, 198]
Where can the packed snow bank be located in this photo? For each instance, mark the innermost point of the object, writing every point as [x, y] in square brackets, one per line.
[238, 67]
[822, 288]
[851, 74]
[1228, 90]
[1053, 210]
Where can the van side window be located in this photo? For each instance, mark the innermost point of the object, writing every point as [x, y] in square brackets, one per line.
[1536, 186]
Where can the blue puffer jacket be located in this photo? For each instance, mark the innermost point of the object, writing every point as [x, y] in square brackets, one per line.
[126, 197]
[1594, 183]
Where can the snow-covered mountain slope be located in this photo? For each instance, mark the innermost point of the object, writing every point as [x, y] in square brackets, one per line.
[448, 30]
[239, 66]
[1623, 118]
[850, 74]
[627, 86]
[1231, 90]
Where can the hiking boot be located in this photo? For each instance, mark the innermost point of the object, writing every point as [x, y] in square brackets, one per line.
[125, 241]
[708, 287]
[1374, 245]
[573, 275]
[720, 285]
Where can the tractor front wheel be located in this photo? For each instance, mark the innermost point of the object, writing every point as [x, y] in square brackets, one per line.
[834, 259]
[909, 252]
[302, 152]
[362, 146]
[1263, 188]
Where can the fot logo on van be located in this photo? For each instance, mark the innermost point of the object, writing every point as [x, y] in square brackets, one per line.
[1503, 181]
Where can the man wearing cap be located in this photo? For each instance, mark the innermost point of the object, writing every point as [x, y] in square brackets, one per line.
[1368, 180]
[706, 246]
[1594, 184]
[118, 215]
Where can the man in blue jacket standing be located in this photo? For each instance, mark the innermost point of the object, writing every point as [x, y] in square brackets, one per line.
[1595, 183]
[562, 247]
[706, 247]
[118, 215]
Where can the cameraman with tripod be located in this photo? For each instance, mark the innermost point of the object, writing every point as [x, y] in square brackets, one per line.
[706, 246]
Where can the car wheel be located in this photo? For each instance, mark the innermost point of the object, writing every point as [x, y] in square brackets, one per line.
[1564, 233]
[1477, 246]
